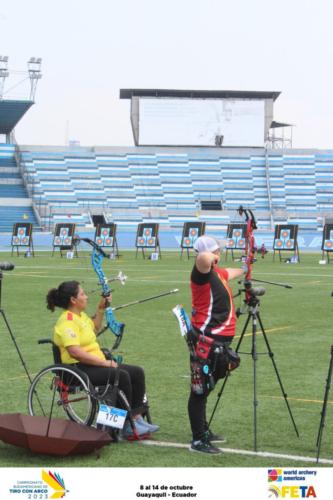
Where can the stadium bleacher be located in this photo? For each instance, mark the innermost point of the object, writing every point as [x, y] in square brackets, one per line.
[15, 204]
[134, 184]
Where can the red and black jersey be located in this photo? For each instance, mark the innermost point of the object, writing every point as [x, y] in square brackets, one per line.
[213, 311]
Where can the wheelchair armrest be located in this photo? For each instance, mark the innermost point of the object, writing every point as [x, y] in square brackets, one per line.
[45, 341]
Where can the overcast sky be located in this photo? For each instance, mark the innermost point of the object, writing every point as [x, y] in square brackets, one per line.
[91, 49]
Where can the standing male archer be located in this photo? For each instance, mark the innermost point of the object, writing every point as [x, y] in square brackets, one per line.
[213, 315]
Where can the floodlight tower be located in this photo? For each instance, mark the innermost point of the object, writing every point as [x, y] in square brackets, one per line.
[35, 74]
[4, 73]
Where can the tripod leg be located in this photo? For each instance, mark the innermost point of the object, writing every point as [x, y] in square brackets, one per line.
[254, 358]
[227, 376]
[271, 355]
[15, 344]
[323, 411]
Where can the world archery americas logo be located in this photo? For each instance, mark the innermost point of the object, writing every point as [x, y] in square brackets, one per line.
[55, 482]
[274, 475]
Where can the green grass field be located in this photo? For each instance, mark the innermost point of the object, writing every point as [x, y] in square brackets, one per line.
[299, 327]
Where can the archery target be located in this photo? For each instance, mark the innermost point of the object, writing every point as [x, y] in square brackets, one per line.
[285, 237]
[21, 235]
[141, 242]
[151, 242]
[191, 232]
[105, 234]
[147, 235]
[63, 235]
[187, 243]
[327, 243]
[236, 236]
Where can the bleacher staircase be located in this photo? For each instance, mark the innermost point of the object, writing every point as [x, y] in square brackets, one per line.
[15, 204]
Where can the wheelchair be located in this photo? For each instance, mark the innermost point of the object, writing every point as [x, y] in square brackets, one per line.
[64, 391]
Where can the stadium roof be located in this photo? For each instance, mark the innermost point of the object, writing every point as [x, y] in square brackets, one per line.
[198, 94]
[280, 124]
[11, 113]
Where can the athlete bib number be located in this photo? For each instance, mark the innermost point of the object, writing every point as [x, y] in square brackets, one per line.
[111, 416]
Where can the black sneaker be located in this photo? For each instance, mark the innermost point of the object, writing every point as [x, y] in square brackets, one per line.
[210, 436]
[204, 447]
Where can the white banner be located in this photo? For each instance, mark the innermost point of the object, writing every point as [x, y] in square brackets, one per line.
[170, 483]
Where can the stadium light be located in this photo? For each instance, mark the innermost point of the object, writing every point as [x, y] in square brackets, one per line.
[4, 73]
[35, 74]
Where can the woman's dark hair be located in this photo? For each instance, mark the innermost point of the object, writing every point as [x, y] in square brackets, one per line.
[61, 296]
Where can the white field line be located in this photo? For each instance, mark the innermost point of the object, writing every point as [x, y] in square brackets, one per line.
[261, 454]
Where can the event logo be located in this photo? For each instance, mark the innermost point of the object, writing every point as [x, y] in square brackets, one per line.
[274, 475]
[273, 492]
[56, 482]
[286, 490]
[291, 492]
[51, 485]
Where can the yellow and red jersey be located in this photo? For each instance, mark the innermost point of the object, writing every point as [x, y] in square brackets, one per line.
[75, 329]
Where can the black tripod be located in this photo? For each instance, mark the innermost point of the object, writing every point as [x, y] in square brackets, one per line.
[253, 304]
[323, 411]
[9, 267]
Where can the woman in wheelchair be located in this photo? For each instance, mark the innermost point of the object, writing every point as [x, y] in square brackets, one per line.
[75, 335]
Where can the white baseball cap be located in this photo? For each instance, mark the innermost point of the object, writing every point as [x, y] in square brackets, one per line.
[206, 244]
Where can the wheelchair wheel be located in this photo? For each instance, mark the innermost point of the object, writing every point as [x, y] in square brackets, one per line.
[61, 391]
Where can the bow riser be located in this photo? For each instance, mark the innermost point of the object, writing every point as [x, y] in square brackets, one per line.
[97, 257]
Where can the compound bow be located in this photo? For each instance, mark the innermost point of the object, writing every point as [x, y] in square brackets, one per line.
[250, 249]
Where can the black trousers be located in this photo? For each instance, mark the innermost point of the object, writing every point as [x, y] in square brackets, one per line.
[197, 404]
[131, 380]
